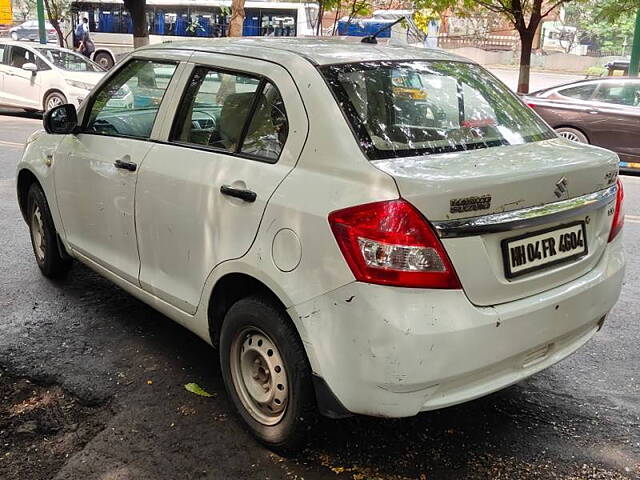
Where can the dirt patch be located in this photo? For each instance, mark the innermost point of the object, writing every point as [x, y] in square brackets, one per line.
[40, 428]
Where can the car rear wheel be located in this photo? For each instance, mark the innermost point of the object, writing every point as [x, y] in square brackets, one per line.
[266, 373]
[14, 36]
[44, 237]
[572, 134]
[54, 99]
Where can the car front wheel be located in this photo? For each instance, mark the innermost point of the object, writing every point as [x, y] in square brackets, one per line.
[266, 373]
[572, 134]
[54, 99]
[44, 237]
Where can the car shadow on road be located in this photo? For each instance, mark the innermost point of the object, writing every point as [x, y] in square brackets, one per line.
[20, 114]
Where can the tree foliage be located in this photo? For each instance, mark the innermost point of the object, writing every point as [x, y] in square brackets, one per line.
[600, 25]
[524, 15]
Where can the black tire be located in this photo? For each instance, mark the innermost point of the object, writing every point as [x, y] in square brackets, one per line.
[572, 134]
[52, 100]
[257, 312]
[104, 59]
[52, 264]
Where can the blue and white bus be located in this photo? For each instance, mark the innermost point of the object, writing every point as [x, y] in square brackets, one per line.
[111, 27]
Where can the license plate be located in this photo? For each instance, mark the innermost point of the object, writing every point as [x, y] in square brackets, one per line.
[538, 250]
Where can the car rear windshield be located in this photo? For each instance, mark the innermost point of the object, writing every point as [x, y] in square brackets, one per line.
[69, 61]
[406, 108]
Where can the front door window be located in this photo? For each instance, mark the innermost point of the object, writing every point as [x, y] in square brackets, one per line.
[127, 105]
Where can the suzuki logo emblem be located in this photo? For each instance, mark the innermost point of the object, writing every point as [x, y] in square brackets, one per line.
[561, 187]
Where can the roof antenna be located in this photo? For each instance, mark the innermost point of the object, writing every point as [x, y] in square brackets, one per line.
[372, 38]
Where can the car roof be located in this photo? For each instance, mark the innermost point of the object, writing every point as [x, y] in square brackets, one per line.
[577, 83]
[320, 51]
[34, 45]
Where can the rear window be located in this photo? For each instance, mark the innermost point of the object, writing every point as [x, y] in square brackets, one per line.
[407, 108]
[582, 92]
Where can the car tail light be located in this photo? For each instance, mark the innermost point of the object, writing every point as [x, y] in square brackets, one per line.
[391, 243]
[531, 105]
[618, 215]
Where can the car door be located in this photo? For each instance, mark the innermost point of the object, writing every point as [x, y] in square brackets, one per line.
[21, 88]
[201, 193]
[615, 112]
[96, 170]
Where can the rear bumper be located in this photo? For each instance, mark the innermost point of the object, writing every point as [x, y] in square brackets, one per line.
[394, 352]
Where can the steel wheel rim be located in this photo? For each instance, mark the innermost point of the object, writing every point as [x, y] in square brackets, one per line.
[570, 136]
[103, 62]
[37, 234]
[259, 376]
[54, 102]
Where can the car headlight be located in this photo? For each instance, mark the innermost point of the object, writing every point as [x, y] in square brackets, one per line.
[77, 84]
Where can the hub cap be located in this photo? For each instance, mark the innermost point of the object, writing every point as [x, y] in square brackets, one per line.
[259, 376]
[570, 136]
[37, 234]
[54, 102]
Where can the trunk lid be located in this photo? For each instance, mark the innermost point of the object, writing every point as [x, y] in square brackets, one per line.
[496, 180]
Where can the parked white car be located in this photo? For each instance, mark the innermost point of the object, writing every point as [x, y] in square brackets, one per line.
[348, 245]
[39, 77]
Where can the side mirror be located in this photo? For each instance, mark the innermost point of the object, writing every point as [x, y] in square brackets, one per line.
[30, 67]
[61, 120]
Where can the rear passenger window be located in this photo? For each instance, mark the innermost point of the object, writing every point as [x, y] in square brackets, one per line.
[582, 92]
[234, 113]
[128, 103]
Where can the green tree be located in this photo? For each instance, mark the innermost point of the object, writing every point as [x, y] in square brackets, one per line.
[58, 11]
[600, 29]
[524, 15]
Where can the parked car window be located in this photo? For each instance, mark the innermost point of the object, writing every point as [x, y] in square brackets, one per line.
[2, 50]
[581, 92]
[19, 56]
[453, 106]
[69, 61]
[128, 103]
[620, 93]
[215, 109]
[42, 65]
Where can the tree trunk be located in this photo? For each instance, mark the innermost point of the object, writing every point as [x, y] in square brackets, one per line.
[526, 43]
[55, 23]
[237, 18]
[137, 10]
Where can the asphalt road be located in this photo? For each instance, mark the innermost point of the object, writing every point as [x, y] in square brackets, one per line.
[92, 387]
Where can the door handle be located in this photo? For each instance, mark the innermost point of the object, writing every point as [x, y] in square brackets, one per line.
[125, 165]
[242, 194]
[593, 112]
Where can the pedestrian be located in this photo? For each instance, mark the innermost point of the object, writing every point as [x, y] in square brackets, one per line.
[78, 33]
[86, 45]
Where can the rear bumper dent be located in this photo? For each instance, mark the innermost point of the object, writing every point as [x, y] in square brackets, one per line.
[394, 352]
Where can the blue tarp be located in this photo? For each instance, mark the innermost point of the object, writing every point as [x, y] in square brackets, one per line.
[362, 28]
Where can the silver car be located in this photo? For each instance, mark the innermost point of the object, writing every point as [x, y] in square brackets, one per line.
[29, 31]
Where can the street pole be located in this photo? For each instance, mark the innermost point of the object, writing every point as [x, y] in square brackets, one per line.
[635, 49]
[41, 30]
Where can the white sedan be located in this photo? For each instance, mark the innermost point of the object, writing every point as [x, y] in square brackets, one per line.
[352, 241]
[39, 77]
